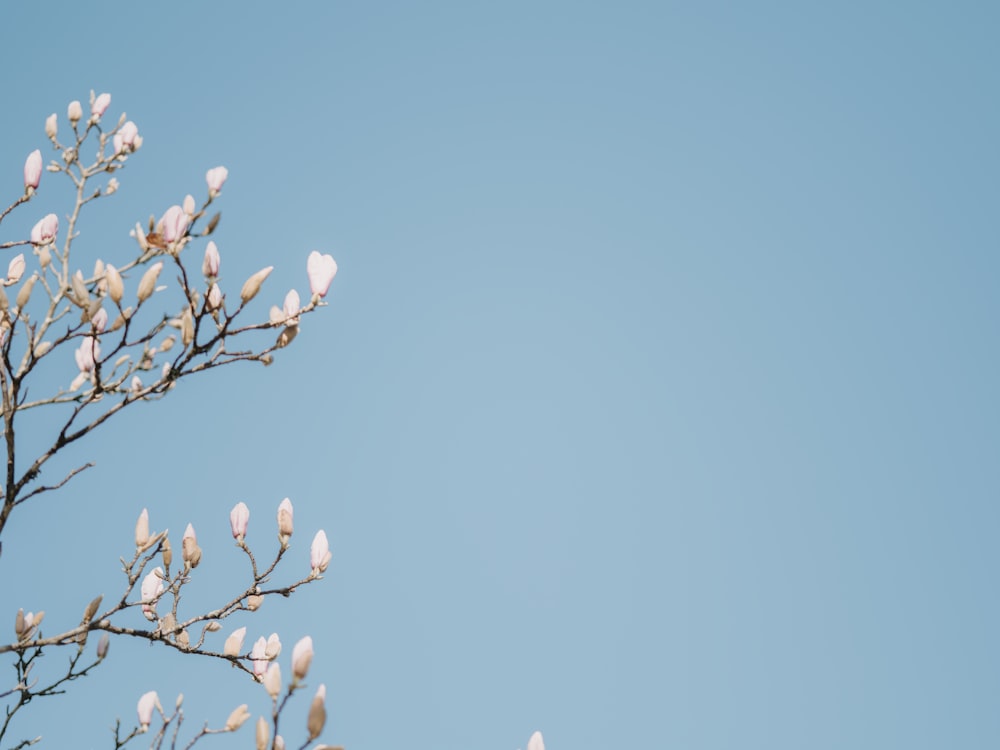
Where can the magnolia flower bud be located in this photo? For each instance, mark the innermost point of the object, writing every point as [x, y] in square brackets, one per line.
[321, 270]
[287, 336]
[536, 743]
[252, 285]
[142, 530]
[127, 138]
[239, 517]
[45, 230]
[302, 656]
[254, 601]
[234, 643]
[263, 733]
[279, 742]
[33, 170]
[215, 179]
[100, 106]
[258, 654]
[147, 284]
[319, 553]
[102, 646]
[136, 385]
[145, 707]
[80, 292]
[88, 354]
[272, 680]
[151, 589]
[166, 552]
[74, 112]
[112, 187]
[210, 266]
[317, 714]
[174, 224]
[15, 269]
[237, 718]
[51, 126]
[188, 204]
[24, 293]
[113, 279]
[99, 320]
[291, 308]
[273, 648]
[285, 527]
[213, 626]
[187, 327]
[190, 551]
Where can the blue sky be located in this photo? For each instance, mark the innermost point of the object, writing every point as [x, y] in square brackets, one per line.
[655, 405]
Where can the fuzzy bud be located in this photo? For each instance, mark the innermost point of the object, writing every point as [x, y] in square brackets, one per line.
[142, 530]
[190, 551]
[15, 269]
[113, 279]
[51, 126]
[272, 680]
[319, 553]
[285, 527]
[252, 285]
[258, 654]
[100, 106]
[317, 714]
[302, 656]
[263, 733]
[536, 742]
[273, 648]
[33, 170]
[187, 327]
[188, 204]
[239, 517]
[254, 601]
[234, 643]
[74, 112]
[102, 645]
[210, 266]
[147, 284]
[24, 293]
[237, 718]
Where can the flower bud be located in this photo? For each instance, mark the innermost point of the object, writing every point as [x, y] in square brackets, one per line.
[237, 718]
[188, 204]
[146, 704]
[273, 647]
[285, 527]
[45, 230]
[51, 126]
[167, 553]
[114, 281]
[142, 530]
[258, 654]
[190, 551]
[147, 284]
[74, 112]
[321, 270]
[317, 714]
[187, 327]
[252, 285]
[234, 643]
[112, 187]
[33, 170]
[215, 179]
[213, 626]
[173, 226]
[127, 138]
[319, 553]
[254, 601]
[151, 589]
[15, 269]
[263, 733]
[81, 294]
[536, 743]
[88, 354]
[100, 106]
[239, 517]
[102, 646]
[302, 656]
[272, 680]
[24, 293]
[291, 308]
[279, 742]
[210, 266]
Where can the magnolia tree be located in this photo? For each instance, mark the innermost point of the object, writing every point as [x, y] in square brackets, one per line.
[123, 333]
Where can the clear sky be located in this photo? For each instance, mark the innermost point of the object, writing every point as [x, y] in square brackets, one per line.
[656, 403]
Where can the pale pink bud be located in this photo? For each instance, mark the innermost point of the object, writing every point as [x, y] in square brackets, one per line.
[216, 178]
[214, 298]
[152, 587]
[302, 656]
[272, 680]
[273, 647]
[263, 733]
[258, 654]
[33, 170]
[321, 270]
[147, 703]
[127, 138]
[210, 266]
[536, 743]
[234, 643]
[15, 269]
[319, 552]
[174, 224]
[190, 551]
[100, 105]
[88, 354]
[102, 646]
[291, 308]
[188, 204]
[279, 742]
[317, 714]
[74, 112]
[114, 281]
[99, 319]
[237, 718]
[239, 517]
[51, 126]
[147, 284]
[45, 230]
[252, 285]
[285, 516]
[142, 530]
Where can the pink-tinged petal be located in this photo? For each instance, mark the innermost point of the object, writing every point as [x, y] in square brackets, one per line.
[144, 708]
[216, 178]
[319, 552]
[239, 518]
[302, 656]
[33, 169]
[210, 265]
[100, 105]
[536, 743]
[15, 269]
[321, 270]
[174, 224]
